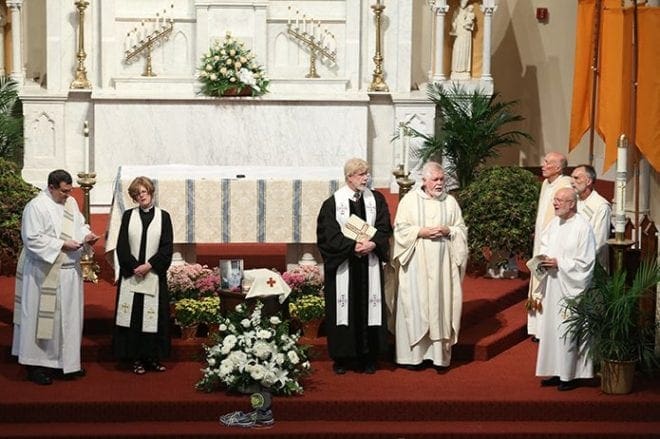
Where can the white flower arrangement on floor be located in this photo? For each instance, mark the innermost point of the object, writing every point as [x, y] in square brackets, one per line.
[255, 349]
[229, 67]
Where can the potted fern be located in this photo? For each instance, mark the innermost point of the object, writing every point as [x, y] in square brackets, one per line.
[618, 331]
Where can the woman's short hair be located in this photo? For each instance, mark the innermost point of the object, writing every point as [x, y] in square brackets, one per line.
[355, 166]
[145, 182]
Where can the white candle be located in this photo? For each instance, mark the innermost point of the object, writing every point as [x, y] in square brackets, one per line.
[406, 149]
[86, 148]
[304, 24]
[288, 21]
[297, 20]
[620, 186]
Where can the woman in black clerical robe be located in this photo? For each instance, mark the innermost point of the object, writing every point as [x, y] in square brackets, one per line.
[144, 250]
[356, 344]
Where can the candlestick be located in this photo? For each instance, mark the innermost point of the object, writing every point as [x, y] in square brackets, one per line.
[86, 151]
[81, 80]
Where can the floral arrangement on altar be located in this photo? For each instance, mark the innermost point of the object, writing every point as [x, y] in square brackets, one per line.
[209, 309]
[303, 280]
[307, 308]
[255, 349]
[187, 312]
[192, 281]
[229, 66]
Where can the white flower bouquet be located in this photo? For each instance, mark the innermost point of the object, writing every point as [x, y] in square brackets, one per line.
[255, 349]
[228, 68]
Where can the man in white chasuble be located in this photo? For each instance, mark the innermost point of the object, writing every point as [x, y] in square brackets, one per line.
[430, 244]
[353, 231]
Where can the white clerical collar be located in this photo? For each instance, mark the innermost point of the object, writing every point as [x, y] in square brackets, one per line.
[148, 209]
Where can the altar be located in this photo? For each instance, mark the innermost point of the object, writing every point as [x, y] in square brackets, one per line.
[231, 204]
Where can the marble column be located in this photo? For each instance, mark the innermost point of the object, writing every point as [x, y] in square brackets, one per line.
[3, 22]
[488, 7]
[439, 8]
[17, 63]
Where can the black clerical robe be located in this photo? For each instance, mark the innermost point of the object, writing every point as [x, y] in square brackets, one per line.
[131, 343]
[357, 340]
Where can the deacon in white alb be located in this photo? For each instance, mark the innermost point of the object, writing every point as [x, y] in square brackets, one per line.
[568, 247]
[552, 170]
[430, 244]
[596, 209]
[48, 309]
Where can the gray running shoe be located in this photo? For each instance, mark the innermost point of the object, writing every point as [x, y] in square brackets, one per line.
[254, 418]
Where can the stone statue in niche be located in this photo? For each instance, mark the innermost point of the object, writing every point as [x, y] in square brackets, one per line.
[461, 30]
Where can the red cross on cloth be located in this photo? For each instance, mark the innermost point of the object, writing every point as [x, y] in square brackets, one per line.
[271, 282]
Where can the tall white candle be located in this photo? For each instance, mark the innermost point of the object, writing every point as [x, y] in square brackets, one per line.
[620, 186]
[406, 151]
[86, 148]
[297, 20]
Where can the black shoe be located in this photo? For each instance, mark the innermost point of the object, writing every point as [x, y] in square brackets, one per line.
[419, 366]
[60, 375]
[39, 375]
[554, 381]
[370, 367]
[567, 385]
[338, 368]
[534, 339]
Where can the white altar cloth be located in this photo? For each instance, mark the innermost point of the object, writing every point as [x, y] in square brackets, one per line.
[223, 204]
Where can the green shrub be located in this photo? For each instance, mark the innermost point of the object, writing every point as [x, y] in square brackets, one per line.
[499, 209]
[11, 121]
[14, 195]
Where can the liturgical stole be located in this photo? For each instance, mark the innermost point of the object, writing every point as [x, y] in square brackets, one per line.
[342, 213]
[48, 289]
[147, 285]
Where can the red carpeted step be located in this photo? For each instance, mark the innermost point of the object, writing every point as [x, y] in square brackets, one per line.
[343, 430]
[493, 335]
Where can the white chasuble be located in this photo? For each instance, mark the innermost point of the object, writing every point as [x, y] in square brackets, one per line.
[342, 213]
[148, 285]
[430, 295]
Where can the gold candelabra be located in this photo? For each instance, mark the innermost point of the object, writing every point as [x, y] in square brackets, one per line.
[378, 83]
[146, 40]
[403, 180]
[90, 269]
[321, 42]
[81, 81]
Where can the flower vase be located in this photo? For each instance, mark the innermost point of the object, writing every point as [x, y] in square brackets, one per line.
[235, 91]
[248, 389]
[311, 328]
[189, 332]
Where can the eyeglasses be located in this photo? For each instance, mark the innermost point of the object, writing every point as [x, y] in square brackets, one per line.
[561, 200]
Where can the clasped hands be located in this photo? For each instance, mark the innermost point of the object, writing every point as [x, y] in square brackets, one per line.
[549, 263]
[73, 245]
[364, 247]
[433, 232]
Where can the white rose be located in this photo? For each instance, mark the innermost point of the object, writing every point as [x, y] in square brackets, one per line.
[213, 77]
[208, 67]
[237, 65]
[229, 61]
[245, 323]
[216, 58]
[223, 52]
[232, 79]
[222, 327]
[211, 362]
[264, 334]
[293, 357]
[274, 320]
[243, 59]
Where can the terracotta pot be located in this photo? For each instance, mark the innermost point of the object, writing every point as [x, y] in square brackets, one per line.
[189, 332]
[311, 328]
[617, 377]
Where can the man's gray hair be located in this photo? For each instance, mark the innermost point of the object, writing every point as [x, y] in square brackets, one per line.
[354, 166]
[431, 166]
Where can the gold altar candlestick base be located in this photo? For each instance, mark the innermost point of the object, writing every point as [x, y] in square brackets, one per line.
[403, 180]
[378, 82]
[90, 269]
[619, 244]
[81, 81]
[148, 71]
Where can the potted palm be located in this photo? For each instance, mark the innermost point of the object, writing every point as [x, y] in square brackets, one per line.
[470, 129]
[618, 331]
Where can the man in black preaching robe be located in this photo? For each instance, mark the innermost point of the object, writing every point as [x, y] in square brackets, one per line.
[354, 299]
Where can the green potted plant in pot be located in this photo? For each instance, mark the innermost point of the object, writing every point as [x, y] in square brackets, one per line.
[618, 331]
[187, 313]
[209, 313]
[309, 309]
